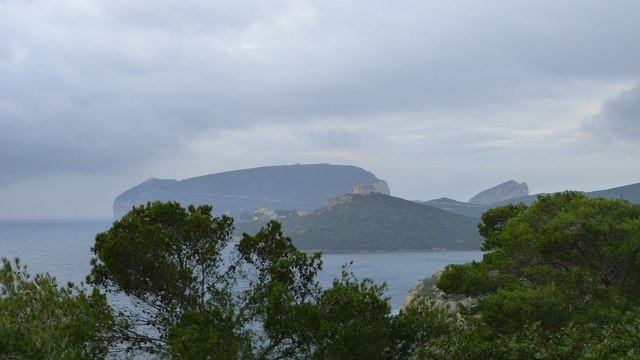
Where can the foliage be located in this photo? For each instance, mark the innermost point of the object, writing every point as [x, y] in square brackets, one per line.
[354, 323]
[261, 300]
[40, 320]
[473, 279]
[493, 222]
[416, 324]
[280, 294]
[167, 259]
[561, 280]
[201, 334]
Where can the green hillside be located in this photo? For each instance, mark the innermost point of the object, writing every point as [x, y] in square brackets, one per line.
[376, 222]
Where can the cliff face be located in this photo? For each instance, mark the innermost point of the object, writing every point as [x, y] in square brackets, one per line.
[380, 187]
[241, 192]
[505, 191]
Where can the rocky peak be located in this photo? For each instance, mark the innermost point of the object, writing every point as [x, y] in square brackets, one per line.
[505, 191]
[379, 186]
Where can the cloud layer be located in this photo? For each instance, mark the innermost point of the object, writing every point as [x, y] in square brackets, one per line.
[620, 115]
[407, 89]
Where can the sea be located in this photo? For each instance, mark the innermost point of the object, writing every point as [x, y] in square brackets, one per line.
[63, 249]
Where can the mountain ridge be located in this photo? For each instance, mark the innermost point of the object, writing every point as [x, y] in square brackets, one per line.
[241, 192]
[629, 192]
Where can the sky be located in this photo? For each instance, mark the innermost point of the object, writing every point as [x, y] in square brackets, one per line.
[438, 98]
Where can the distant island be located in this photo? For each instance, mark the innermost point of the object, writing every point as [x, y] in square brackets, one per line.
[377, 222]
[339, 208]
[240, 193]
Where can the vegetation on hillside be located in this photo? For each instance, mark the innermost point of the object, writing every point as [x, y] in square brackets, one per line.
[377, 222]
[560, 280]
[41, 320]
[263, 301]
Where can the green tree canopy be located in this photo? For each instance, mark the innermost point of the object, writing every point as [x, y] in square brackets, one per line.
[41, 320]
[166, 260]
[562, 271]
[560, 280]
[196, 295]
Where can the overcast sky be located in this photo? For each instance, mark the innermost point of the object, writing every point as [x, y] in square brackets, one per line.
[439, 98]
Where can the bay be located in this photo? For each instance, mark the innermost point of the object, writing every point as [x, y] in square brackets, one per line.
[63, 249]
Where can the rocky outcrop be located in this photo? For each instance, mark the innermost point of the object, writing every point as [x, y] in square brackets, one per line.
[505, 191]
[426, 288]
[380, 187]
[341, 200]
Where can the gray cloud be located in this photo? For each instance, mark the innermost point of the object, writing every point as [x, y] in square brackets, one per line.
[620, 116]
[107, 86]
[335, 138]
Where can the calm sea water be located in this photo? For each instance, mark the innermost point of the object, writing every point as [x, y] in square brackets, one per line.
[63, 250]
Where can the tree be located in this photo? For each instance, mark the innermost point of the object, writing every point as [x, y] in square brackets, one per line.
[167, 261]
[354, 321]
[557, 274]
[40, 320]
[421, 321]
[194, 296]
[281, 293]
[207, 334]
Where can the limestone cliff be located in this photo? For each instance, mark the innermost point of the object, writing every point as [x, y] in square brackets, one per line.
[380, 187]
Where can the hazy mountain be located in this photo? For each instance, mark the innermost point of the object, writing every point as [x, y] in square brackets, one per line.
[339, 208]
[458, 207]
[503, 192]
[630, 193]
[377, 222]
[239, 193]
